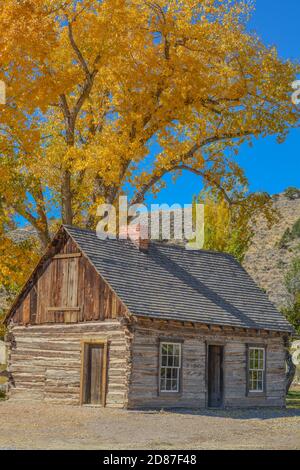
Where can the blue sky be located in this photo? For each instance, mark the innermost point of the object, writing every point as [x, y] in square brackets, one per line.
[269, 166]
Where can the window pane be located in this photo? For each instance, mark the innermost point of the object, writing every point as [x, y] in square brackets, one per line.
[256, 359]
[176, 361]
[256, 370]
[259, 386]
[164, 360]
[260, 375]
[170, 361]
[261, 360]
[174, 385]
[170, 367]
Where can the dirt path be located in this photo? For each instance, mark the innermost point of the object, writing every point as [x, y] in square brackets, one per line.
[29, 425]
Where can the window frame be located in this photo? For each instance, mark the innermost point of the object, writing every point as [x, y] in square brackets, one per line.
[160, 366]
[257, 393]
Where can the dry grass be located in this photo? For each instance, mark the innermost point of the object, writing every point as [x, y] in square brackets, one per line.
[293, 398]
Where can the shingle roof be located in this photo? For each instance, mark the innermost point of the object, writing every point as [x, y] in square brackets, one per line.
[172, 283]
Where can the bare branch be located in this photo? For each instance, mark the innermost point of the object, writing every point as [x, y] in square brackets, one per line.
[181, 165]
[206, 177]
[78, 52]
[64, 106]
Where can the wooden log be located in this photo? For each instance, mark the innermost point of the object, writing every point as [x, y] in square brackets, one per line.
[67, 255]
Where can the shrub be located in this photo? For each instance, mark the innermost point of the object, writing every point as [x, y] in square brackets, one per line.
[290, 235]
[285, 239]
[295, 232]
[292, 193]
[292, 284]
[292, 314]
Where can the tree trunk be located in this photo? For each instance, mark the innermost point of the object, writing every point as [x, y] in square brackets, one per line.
[291, 370]
[42, 225]
[44, 238]
[67, 214]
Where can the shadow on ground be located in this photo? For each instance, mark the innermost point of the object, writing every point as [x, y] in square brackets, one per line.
[253, 413]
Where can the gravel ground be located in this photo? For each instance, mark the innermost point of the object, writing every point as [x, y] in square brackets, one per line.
[26, 425]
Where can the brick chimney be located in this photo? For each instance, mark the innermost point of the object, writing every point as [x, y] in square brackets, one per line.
[137, 234]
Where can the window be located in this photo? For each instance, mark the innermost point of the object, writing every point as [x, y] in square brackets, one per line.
[170, 365]
[256, 369]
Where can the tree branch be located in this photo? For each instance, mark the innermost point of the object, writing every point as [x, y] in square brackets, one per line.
[210, 180]
[78, 52]
[180, 165]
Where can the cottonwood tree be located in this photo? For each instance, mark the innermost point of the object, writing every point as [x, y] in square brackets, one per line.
[230, 225]
[107, 96]
[292, 311]
[292, 285]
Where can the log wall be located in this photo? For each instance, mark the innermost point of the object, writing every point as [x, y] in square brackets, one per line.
[67, 301]
[45, 361]
[143, 391]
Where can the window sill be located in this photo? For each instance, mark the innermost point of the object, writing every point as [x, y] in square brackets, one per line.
[256, 394]
[170, 394]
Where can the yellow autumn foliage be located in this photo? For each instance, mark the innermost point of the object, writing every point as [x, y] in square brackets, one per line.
[229, 225]
[106, 97]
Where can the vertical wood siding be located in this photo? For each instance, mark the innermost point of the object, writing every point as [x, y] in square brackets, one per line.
[67, 289]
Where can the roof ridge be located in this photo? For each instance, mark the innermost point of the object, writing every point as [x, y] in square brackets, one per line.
[160, 243]
[168, 285]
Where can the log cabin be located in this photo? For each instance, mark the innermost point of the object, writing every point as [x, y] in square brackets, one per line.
[144, 325]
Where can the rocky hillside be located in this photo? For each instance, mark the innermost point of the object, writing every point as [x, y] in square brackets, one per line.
[269, 256]
[272, 250]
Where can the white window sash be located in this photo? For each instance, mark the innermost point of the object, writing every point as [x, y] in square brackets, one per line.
[166, 367]
[259, 369]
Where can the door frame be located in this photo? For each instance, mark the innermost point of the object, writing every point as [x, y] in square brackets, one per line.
[223, 346]
[84, 343]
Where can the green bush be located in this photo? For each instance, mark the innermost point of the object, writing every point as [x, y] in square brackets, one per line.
[292, 314]
[295, 232]
[285, 239]
[292, 284]
[290, 235]
[292, 193]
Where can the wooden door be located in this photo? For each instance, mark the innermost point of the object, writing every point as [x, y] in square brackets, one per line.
[215, 376]
[93, 374]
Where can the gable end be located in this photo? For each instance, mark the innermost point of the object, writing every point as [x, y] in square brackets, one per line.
[65, 287]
